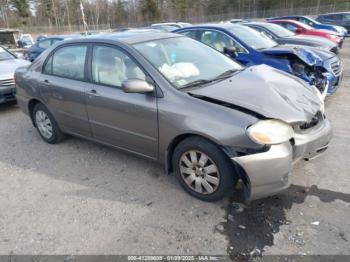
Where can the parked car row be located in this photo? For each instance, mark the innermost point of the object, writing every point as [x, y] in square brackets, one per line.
[218, 105]
[316, 66]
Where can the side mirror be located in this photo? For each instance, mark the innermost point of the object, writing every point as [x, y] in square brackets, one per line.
[231, 51]
[137, 86]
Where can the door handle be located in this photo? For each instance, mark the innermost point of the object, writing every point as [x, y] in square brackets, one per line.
[94, 93]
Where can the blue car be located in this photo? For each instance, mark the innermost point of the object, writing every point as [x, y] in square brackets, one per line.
[40, 46]
[313, 23]
[317, 67]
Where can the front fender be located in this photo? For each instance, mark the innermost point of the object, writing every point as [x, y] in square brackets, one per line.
[282, 64]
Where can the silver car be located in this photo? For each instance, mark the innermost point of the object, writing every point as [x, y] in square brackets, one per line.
[171, 99]
[8, 64]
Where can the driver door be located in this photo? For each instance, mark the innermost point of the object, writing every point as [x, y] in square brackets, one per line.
[124, 120]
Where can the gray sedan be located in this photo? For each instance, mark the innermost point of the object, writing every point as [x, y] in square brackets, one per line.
[171, 99]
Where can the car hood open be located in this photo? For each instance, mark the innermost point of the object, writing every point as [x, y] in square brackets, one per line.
[267, 92]
[310, 57]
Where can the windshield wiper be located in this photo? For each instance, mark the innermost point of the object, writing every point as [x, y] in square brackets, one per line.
[225, 74]
[197, 83]
[222, 76]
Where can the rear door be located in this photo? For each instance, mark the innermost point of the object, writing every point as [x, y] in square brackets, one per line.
[63, 86]
[125, 120]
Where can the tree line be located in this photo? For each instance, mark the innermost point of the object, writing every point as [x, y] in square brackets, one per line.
[128, 13]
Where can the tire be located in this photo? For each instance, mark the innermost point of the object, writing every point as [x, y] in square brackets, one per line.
[44, 119]
[192, 168]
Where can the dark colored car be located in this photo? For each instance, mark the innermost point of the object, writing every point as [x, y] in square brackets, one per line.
[315, 66]
[35, 50]
[339, 19]
[284, 36]
[313, 23]
[171, 99]
[163, 28]
[304, 29]
[8, 64]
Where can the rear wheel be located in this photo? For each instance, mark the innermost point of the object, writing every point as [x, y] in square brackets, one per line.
[46, 125]
[203, 169]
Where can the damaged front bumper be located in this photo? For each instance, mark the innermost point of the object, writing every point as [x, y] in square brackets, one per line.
[268, 173]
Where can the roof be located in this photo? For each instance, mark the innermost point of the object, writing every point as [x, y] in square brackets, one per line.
[8, 30]
[335, 13]
[130, 37]
[256, 23]
[227, 25]
[285, 16]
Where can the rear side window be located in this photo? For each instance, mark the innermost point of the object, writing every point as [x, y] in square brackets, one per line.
[68, 62]
[44, 43]
[334, 17]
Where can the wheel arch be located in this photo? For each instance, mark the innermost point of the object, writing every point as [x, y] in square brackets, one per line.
[177, 140]
[31, 104]
[243, 178]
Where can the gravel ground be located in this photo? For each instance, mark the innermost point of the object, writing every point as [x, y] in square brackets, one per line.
[82, 198]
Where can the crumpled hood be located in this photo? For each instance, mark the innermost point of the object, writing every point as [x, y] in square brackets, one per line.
[304, 53]
[266, 91]
[8, 67]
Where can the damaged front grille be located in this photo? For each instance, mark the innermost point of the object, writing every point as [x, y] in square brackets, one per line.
[336, 67]
[312, 123]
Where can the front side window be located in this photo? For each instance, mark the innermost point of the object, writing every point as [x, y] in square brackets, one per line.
[306, 21]
[192, 34]
[219, 41]
[111, 66]
[290, 27]
[44, 43]
[334, 17]
[263, 32]
[346, 17]
[278, 30]
[184, 61]
[69, 62]
[252, 38]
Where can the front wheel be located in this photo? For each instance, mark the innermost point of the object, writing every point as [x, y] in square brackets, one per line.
[203, 169]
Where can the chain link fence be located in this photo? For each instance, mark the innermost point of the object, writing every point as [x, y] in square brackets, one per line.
[254, 14]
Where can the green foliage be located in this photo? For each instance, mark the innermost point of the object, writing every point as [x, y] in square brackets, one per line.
[21, 7]
[149, 10]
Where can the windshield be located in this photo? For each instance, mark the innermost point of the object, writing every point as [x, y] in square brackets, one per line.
[312, 20]
[185, 62]
[27, 40]
[278, 30]
[5, 55]
[252, 38]
[306, 26]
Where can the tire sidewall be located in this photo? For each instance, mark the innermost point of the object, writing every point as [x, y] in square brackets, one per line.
[55, 129]
[225, 167]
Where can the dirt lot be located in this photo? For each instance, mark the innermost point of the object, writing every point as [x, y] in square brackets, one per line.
[82, 198]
